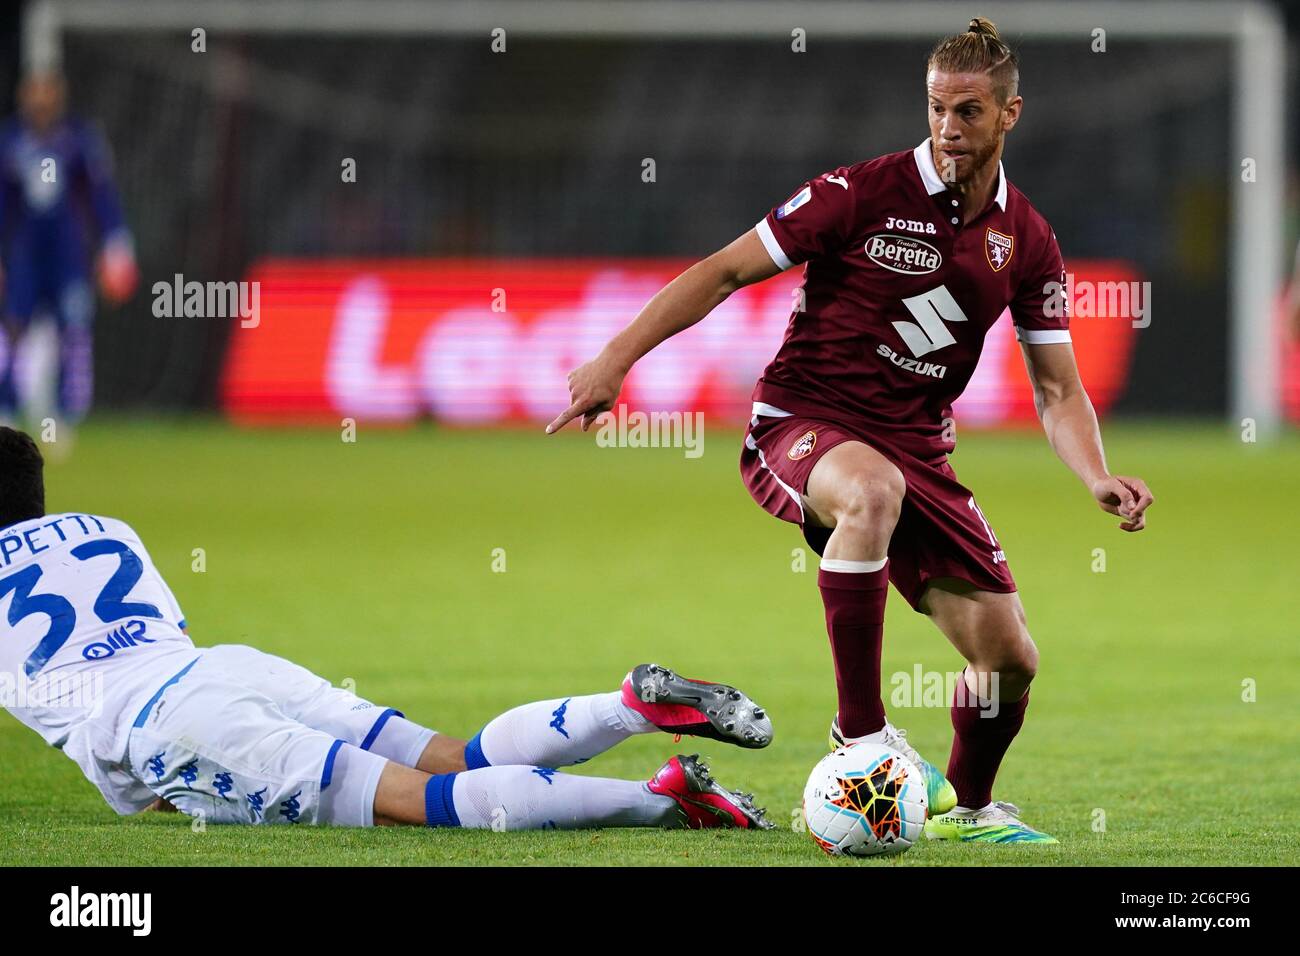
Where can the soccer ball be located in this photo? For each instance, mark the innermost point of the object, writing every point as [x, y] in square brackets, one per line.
[863, 800]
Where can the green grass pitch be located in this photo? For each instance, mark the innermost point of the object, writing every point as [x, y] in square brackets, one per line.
[374, 561]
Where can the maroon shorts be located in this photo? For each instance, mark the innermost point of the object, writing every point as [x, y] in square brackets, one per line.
[941, 532]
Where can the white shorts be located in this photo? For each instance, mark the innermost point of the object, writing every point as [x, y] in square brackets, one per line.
[241, 736]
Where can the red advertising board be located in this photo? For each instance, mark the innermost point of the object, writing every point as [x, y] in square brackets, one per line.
[487, 341]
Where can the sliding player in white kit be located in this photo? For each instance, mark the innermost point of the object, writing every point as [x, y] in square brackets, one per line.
[95, 656]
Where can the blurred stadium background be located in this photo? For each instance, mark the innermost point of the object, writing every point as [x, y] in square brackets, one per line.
[522, 171]
[229, 162]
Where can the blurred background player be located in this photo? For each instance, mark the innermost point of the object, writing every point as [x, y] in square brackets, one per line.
[58, 203]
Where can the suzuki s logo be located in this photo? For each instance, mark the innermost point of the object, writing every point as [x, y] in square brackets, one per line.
[931, 310]
[903, 254]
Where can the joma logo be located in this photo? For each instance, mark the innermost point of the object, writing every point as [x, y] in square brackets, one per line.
[911, 225]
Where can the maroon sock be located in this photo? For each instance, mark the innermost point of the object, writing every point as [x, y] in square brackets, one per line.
[980, 742]
[855, 620]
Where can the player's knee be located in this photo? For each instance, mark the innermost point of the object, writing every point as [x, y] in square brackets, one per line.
[871, 500]
[1018, 661]
[1027, 662]
[1007, 654]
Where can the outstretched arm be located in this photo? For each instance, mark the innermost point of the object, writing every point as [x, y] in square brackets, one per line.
[118, 273]
[695, 293]
[1071, 426]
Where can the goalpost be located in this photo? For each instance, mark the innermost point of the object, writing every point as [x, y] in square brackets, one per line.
[1253, 28]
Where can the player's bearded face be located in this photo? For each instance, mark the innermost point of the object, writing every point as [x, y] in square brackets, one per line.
[967, 124]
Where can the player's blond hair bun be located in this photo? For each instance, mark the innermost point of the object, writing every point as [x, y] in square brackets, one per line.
[979, 50]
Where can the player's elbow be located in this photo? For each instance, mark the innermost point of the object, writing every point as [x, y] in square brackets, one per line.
[721, 275]
[1051, 393]
[743, 262]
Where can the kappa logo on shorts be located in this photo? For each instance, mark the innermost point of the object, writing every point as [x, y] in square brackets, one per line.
[291, 809]
[998, 249]
[803, 447]
[223, 784]
[257, 803]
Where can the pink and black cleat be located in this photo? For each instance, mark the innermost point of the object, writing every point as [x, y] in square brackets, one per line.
[678, 705]
[703, 802]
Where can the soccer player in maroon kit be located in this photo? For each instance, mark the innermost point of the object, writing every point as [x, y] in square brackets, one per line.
[908, 260]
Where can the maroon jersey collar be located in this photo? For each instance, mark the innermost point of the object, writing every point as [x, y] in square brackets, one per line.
[934, 184]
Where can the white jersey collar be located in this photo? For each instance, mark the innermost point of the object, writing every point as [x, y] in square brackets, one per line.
[934, 184]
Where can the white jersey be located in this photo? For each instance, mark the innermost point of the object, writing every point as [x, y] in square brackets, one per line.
[88, 631]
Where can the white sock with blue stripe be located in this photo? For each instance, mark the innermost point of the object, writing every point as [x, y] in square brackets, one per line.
[555, 733]
[537, 798]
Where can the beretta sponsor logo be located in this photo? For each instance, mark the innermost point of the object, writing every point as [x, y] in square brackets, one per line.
[903, 254]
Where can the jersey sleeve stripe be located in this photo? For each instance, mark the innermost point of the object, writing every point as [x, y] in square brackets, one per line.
[772, 246]
[1042, 336]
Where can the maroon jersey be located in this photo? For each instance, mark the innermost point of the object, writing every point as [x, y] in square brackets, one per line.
[897, 295]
